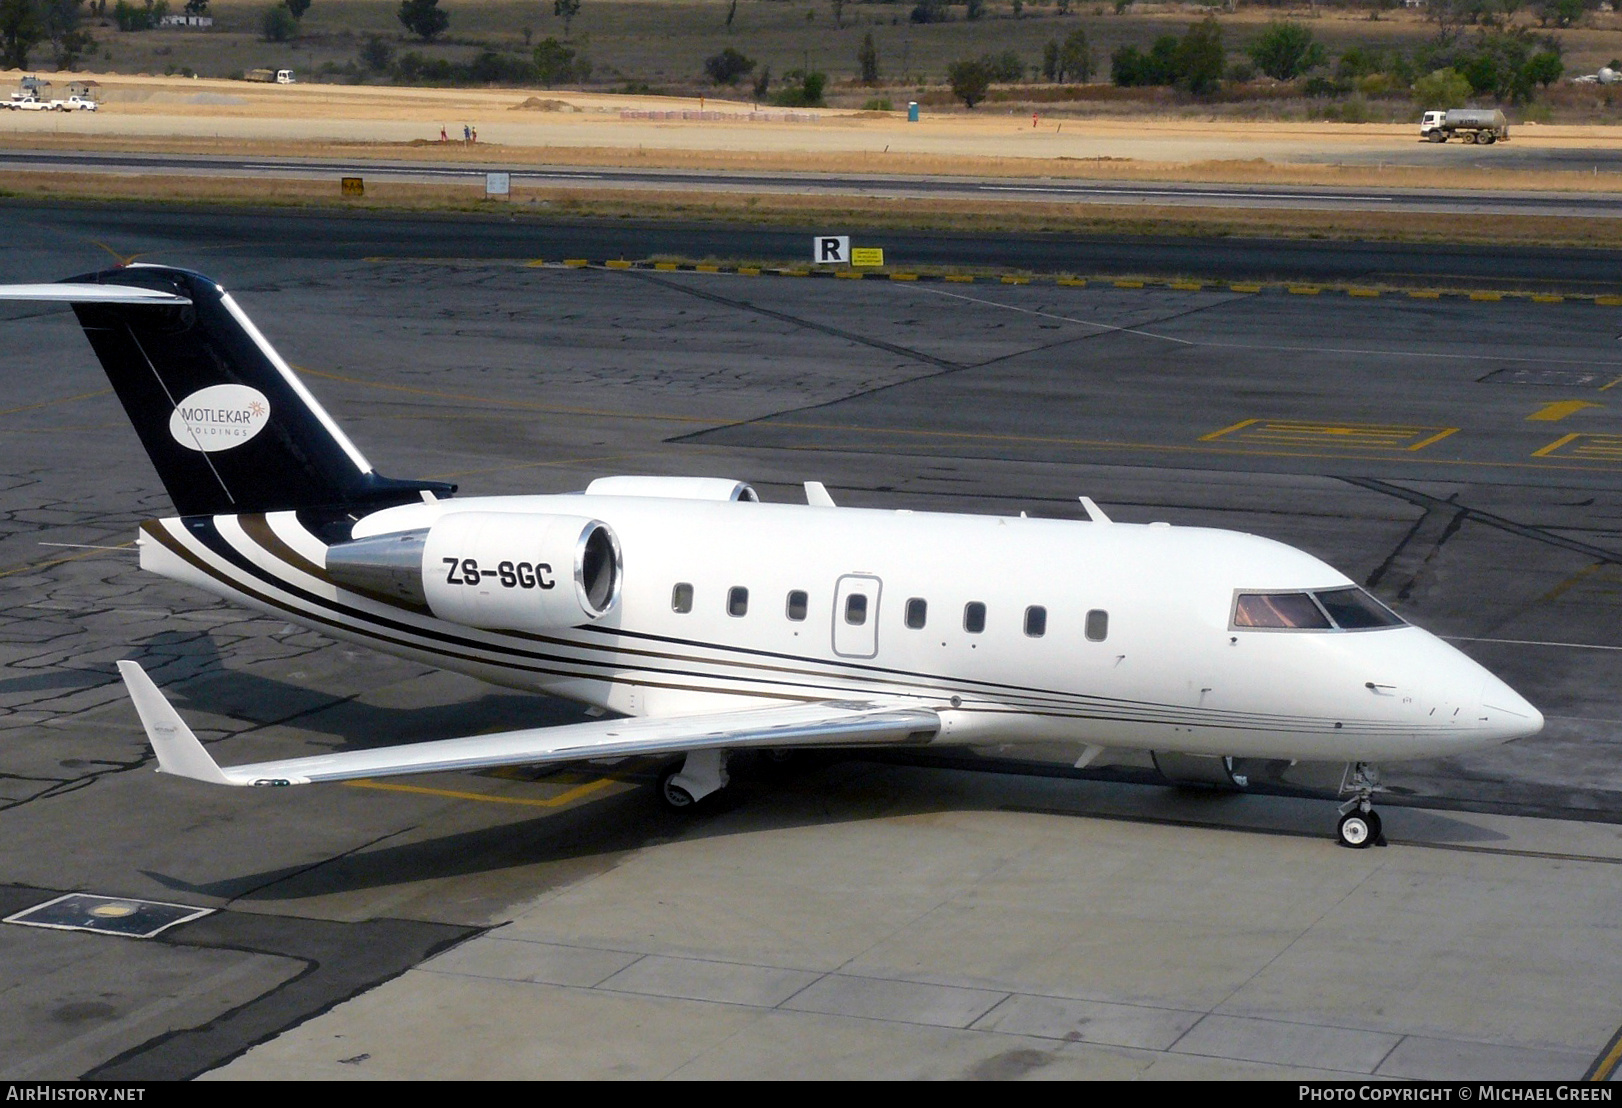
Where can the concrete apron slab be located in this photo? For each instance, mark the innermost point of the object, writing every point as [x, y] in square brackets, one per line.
[1023, 943]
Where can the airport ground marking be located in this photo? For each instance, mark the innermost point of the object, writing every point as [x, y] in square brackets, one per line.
[1560, 409]
[1611, 385]
[52, 403]
[1360, 436]
[455, 794]
[34, 567]
[1605, 1065]
[1584, 445]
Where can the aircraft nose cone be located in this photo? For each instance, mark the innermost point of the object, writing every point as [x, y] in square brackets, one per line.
[1505, 713]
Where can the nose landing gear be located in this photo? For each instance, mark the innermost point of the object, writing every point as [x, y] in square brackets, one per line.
[1359, 825]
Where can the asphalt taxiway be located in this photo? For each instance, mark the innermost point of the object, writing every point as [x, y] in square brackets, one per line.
[842, 917]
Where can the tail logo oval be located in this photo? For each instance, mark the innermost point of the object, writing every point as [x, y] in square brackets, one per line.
[219, 417]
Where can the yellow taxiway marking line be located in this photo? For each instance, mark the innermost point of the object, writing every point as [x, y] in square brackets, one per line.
[91, 553]
[1294, 432]
[1155, 447]
[1607, 1064]
[1560, 409]
[49, 403]
[1602, 447]
[551, 802]
[1612, 385]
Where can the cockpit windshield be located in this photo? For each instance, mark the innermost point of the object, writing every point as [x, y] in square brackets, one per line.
[1348, 609]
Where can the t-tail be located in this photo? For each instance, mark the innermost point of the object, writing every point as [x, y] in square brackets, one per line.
[227, 423]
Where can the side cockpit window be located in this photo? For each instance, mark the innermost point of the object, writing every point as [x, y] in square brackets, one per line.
[1349, 609]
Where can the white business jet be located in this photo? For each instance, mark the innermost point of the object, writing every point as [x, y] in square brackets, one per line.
[717, 623]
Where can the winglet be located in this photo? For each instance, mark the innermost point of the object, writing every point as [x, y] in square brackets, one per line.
[1094, 512]
[816, 495]
[177, 748]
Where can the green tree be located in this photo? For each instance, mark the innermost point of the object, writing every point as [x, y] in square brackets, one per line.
[377, 54]
[1544, 68]
[555, 63]
[1006, 68]
[1129, 66]
[1050, 60]
[196, 7]
[763, 82]
[423, 18]
[867, 57]
[62, 26]
[802, 90]
[22, 27]
[1075, 62]
[297, 8]
[1441, 88]
[974, 9]
[1200, 60]
[1285, 51]
[566, 10]
[970, 80]
[728, 67]
[278, 24]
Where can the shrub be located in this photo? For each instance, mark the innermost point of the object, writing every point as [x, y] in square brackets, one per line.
[970, 80]
[1441, 88]
[1285, 51]
[278, 24]
[423, 18]
[728, 67]
[803, 90]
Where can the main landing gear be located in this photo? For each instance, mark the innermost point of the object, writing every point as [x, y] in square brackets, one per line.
[1359, 825]
[684, 785]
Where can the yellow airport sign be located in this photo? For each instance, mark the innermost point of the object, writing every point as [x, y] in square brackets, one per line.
[353, 186]
[867, 256]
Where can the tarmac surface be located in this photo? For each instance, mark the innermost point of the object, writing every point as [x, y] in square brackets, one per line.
[964, 917]
[1461, 202]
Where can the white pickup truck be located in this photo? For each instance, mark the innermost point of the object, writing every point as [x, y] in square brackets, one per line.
[76, 104]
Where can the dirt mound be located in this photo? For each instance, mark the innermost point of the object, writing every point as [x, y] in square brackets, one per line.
[537, 104]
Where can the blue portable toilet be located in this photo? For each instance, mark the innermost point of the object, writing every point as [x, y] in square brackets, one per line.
[912, 111]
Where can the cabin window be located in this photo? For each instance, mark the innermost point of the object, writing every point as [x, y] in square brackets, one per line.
[856, 609]
[681, 598]
[917, 613]
[737, 601]
[1097, 625]
[1355, 610]
[1279, 611]
[974, 617]
[797, 601]
[1036, 621]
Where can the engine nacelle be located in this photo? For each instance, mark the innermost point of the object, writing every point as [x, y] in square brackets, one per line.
[497, 570]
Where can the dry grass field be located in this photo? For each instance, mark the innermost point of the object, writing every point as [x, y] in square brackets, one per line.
[663, 43]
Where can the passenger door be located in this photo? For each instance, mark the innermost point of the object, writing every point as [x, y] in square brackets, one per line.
[856, 616]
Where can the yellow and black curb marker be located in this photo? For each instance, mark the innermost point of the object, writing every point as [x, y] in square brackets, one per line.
[1170, 284]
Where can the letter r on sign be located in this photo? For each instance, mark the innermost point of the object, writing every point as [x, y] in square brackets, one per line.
[830, 249]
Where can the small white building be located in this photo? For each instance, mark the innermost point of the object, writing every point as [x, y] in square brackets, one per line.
[184, 20]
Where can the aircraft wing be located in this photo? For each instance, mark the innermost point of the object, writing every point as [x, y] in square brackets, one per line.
[827, 723]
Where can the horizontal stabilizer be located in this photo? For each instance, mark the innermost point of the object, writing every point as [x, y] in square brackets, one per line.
[825, 724]
[65, 293]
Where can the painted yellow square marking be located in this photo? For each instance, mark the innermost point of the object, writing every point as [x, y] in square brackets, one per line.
[1424, 294]
[577, 263]
[961, 278]
[1362, 292]
[903, 276]
[1608, 301]
[1303, 290]
[848, 275]
[1585, 447]
[1073, 282]
[618, 264]
[1016, 280]
[536, 264]
[748, 271]
[665, 267]
[1486, 296]
[1187, 286]
[1544, 298]
[1129, 284]
[1245, 288]
[1309, 433]
[707, 268]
